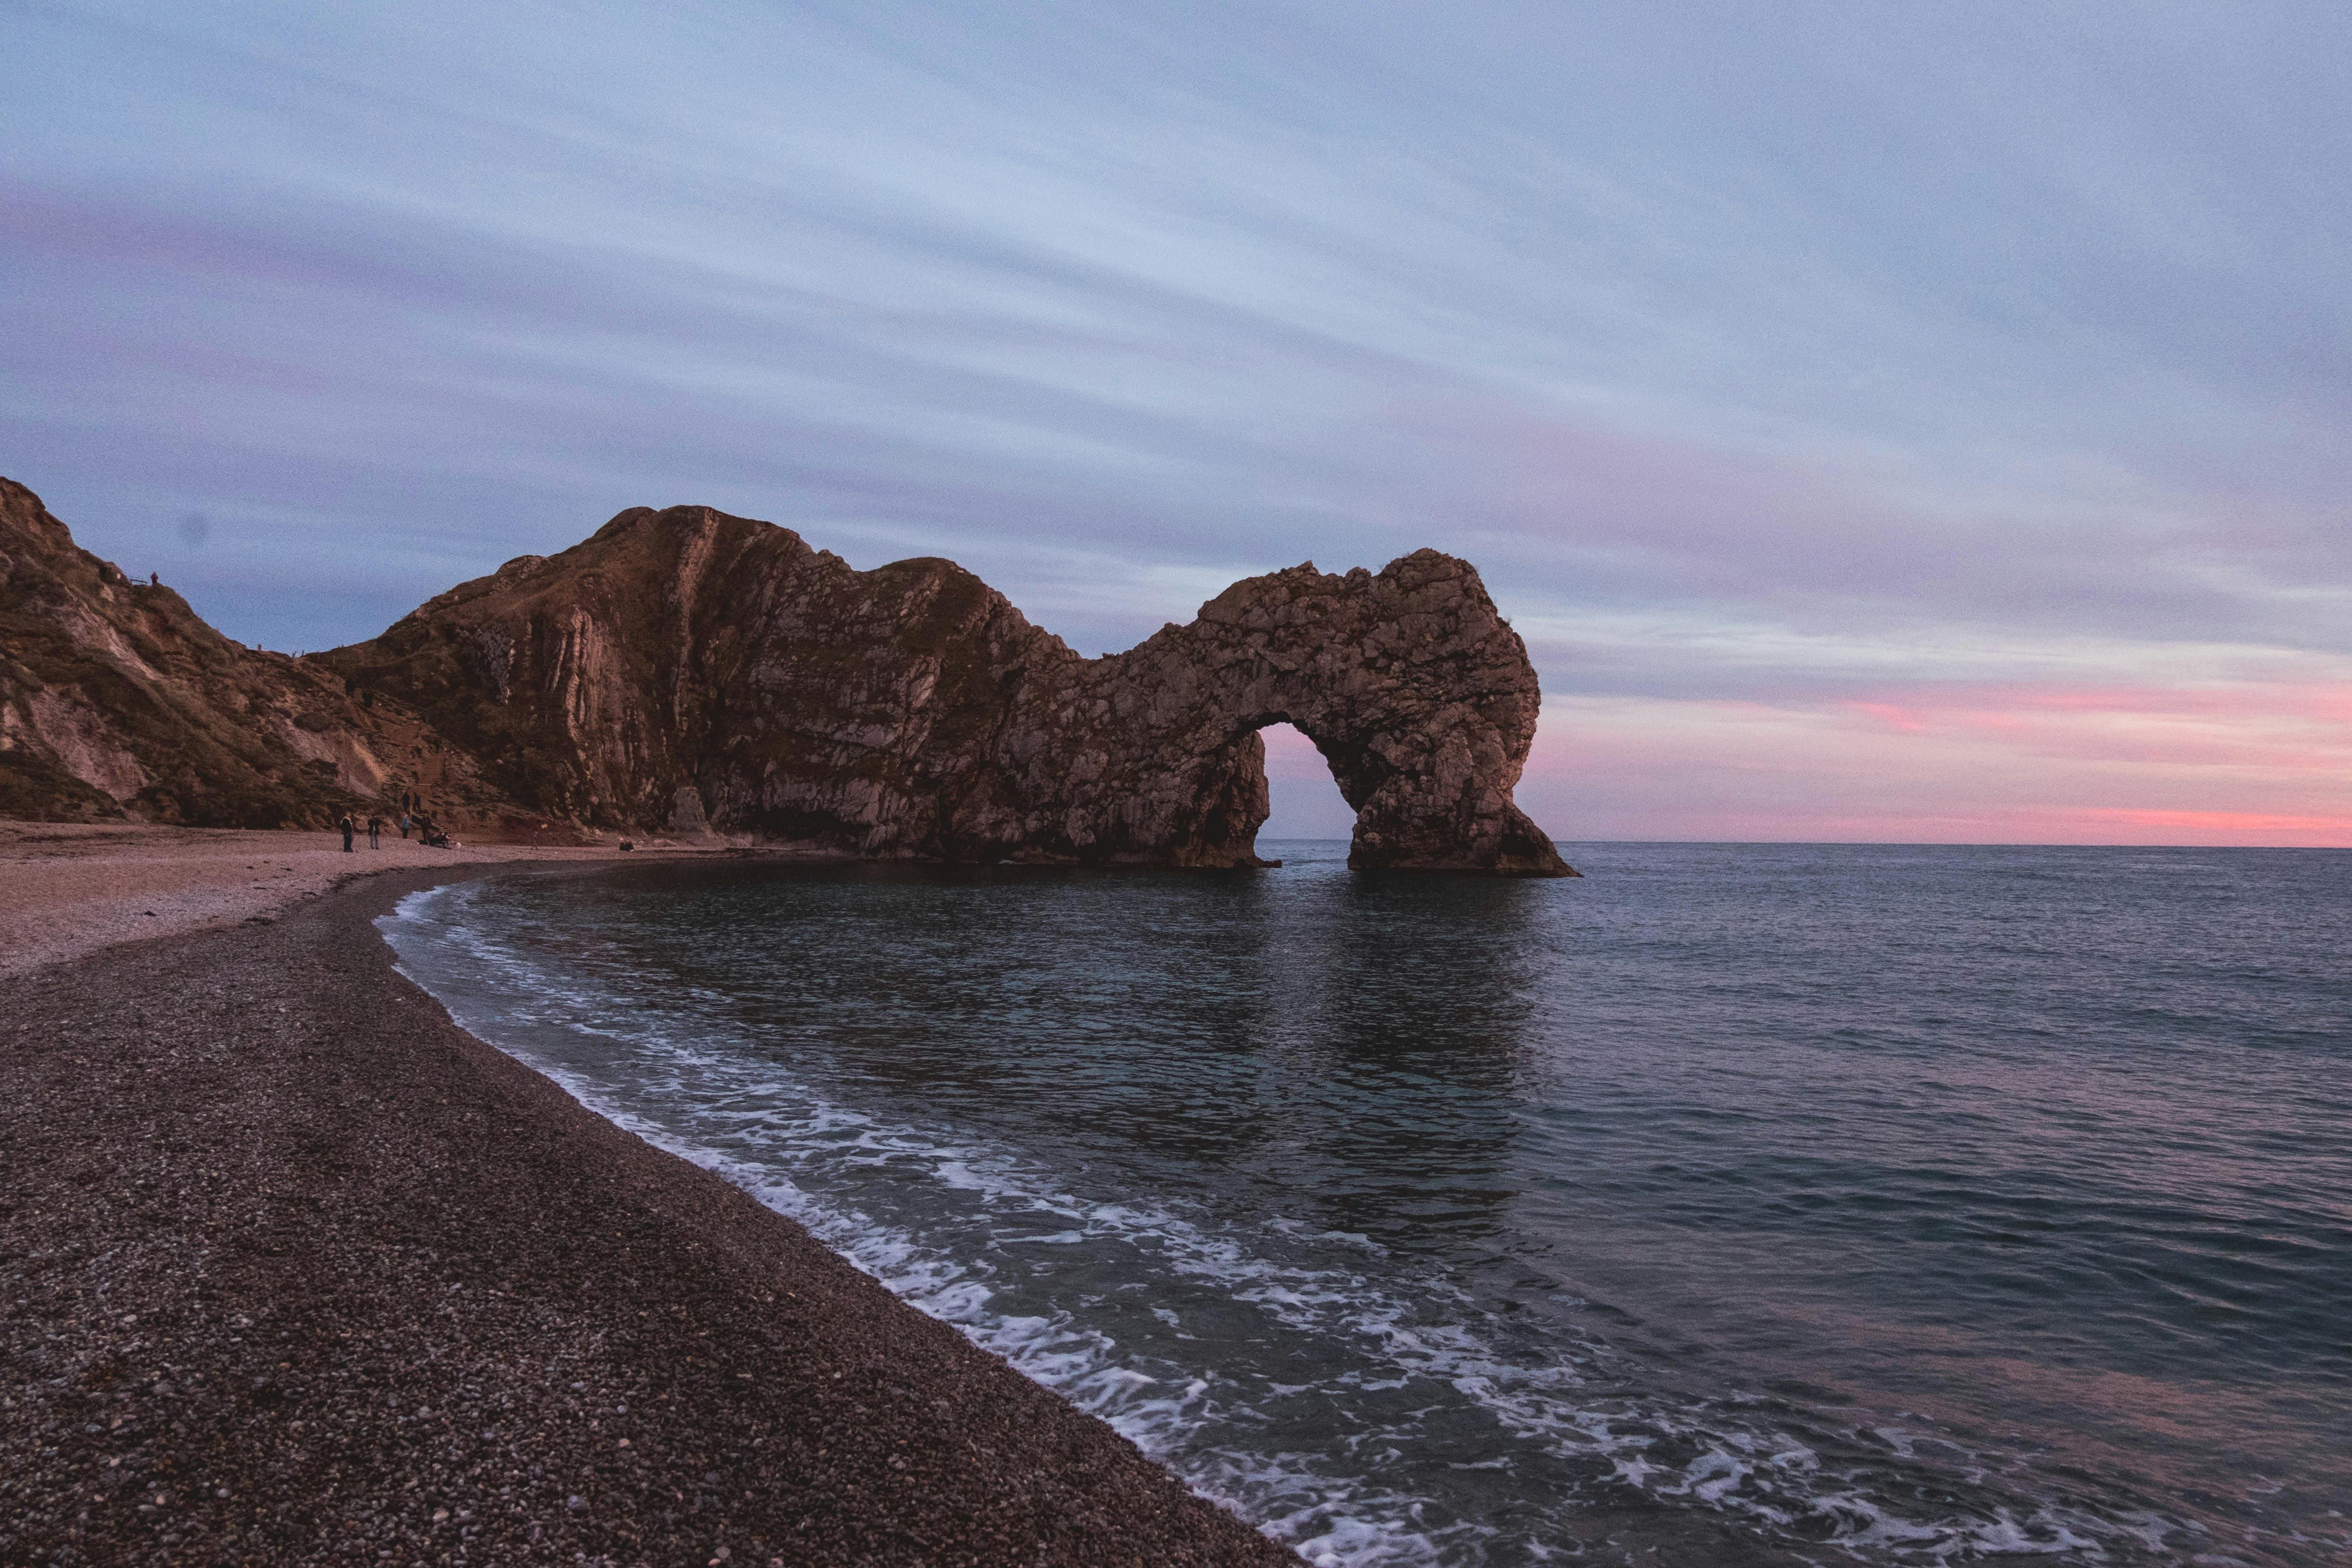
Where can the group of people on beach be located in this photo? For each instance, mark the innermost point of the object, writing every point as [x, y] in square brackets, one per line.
[409, 815]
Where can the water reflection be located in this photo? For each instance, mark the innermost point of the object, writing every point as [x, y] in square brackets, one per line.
[1405, 1033]
[1925, 1203]
[1347, 1046]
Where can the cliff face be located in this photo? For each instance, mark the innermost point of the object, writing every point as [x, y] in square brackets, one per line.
[690, 671]
[690, 651]
[686, 663]
[116, 700]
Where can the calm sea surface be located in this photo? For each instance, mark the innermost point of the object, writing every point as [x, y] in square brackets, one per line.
[1736, 1203]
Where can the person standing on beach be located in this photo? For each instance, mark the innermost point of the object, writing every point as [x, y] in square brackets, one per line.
[345, 823]
[375, 832]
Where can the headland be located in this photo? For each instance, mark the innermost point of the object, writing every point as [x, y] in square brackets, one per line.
[718, 678]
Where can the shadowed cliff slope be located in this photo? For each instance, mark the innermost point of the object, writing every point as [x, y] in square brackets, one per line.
[700, 672]
[116, 700]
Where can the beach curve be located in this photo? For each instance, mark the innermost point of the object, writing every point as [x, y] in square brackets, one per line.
[295, 1265]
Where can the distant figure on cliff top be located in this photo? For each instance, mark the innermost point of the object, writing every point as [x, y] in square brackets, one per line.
[154, 580]
[345, 823]
[375, 832]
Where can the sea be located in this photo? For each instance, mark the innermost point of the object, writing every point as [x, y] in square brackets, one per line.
[1736, 1203]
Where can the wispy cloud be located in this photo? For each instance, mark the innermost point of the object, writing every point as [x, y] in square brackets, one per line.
[1889, 421]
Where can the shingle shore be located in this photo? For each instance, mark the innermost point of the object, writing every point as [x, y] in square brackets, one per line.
[292, 1269]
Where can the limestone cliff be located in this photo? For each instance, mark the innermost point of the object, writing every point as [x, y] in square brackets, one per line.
[691, 672]
[116, 700]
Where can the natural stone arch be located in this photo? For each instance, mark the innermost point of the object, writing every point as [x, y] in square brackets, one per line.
[1413, 689]
[911, 713]
[687, 672]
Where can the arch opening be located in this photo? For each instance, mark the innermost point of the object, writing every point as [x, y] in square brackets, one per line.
[1304, 798]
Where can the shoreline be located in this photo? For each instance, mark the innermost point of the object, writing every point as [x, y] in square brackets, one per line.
[297, 1268]
[76, 888]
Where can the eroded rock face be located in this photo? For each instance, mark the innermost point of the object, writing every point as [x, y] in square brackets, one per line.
[799, 700]
[911, 712]
[1418, 695]
[116, 700]
[690, 673]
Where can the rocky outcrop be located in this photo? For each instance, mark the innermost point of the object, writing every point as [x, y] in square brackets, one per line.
[911, 712]
[688, 672]
[1416, 692]
[116, 700]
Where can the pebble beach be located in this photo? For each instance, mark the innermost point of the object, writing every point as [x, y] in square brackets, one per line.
[295, 1270]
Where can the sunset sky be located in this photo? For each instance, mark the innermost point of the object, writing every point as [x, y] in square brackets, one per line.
[1898, 422]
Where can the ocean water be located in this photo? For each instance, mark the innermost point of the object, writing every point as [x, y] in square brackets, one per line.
[1736, 1204]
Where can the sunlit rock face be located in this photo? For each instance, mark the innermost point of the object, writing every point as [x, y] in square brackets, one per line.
[910, 711]
[800, 700]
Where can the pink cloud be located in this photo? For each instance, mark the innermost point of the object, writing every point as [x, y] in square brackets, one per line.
[2232, 824]
[2256, 763]
[1901, 720]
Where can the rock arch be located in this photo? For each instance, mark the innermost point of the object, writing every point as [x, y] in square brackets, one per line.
[910, 711]
[688, 672]
[1417, 693]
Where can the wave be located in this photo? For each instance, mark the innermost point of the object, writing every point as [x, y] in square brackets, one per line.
[1416, 1376]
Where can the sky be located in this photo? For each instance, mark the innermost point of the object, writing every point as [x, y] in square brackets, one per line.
[1909, 423]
